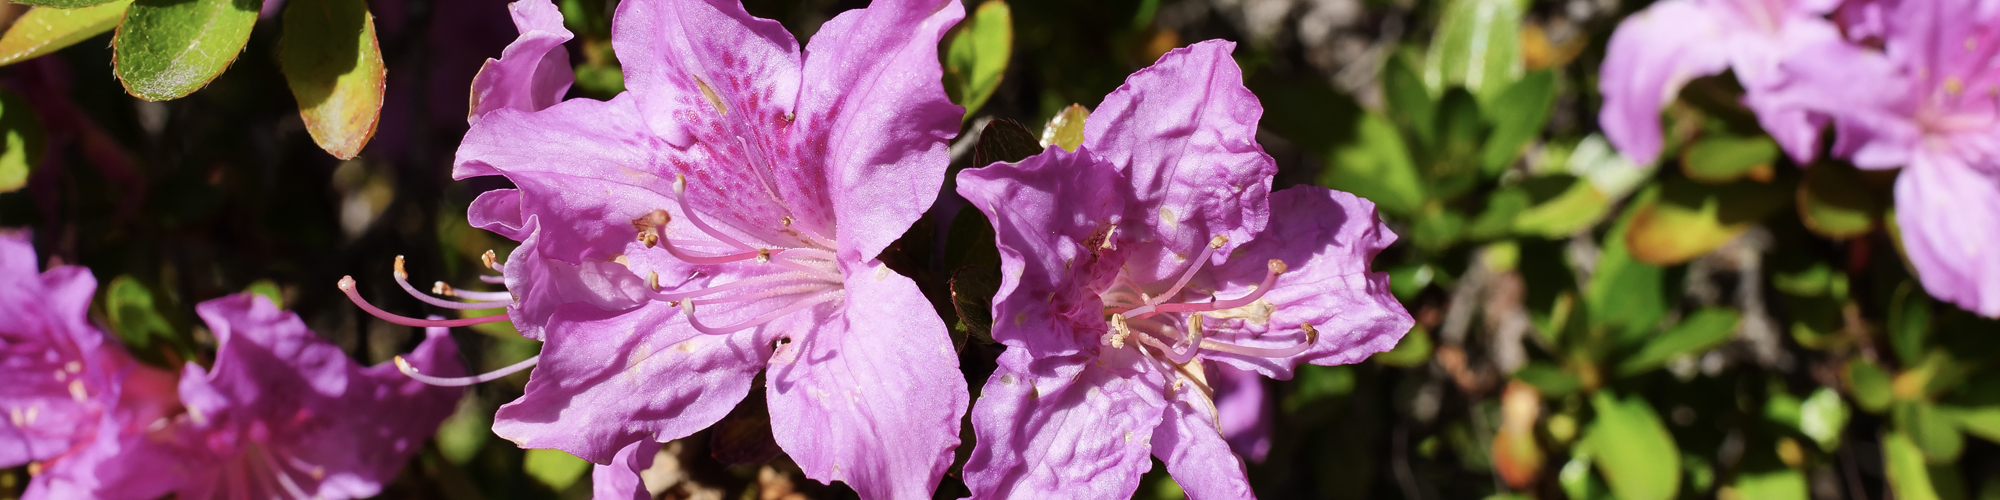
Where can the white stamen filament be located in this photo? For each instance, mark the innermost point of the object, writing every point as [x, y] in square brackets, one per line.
[680, 196]
[687, 307]
[403, 365]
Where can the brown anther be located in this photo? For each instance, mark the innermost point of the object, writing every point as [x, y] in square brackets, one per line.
[649, 226]
[443, 289]
[400, 273]
[786, 220]
[1312, 334]
[1194, 324]
[763, 255]
[1278, 266]
[653, 280]
[1218, 241]
[491, 261]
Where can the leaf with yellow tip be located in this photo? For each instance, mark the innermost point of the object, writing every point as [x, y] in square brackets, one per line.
[334, 67]
[46, 29]
[1066, 128]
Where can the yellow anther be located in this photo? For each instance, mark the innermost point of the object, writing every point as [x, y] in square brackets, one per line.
[1218, 241]
[491, 261]
[441, 288]
[400, 273]
[1278, 266]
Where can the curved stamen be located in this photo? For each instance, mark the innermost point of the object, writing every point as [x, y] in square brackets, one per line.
[1193, 266]
[754, 281]
[411, 371]
[347, 286]
[403, 279]
[1275, 268]
[1312, 337]
[471, 295]
[493, 279]
[1183, 350]
[680, 196]
[687, 307]
[761, 254]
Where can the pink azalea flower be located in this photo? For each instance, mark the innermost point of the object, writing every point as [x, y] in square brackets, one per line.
[1924, 103]
[533, 72]
[722, 217]
[1659, 49]
[1133, 264]
[282, 414]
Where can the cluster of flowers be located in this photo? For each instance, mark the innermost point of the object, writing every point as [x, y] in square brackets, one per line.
[280, 413]
[1912, 84]
[722, 218]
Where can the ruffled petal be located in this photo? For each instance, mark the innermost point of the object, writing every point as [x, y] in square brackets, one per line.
[874, 106]
[1051, 215]
[1188, 441]
[380, 423]
[620, 480]
[1651, 55]
[872, 396]
[1950, 217]
[1184, 133]
[1089, 437]
[608, 379]
[533, 72]
[50, 375]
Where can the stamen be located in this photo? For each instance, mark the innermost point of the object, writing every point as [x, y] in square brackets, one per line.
[493, 279]
[1312, 337]
[411, 371]
[1193, 266]
[1275, 268]
[346, 285]
[491, 261]
[484, 296]
[680, 196]
[687, 307]
[760, 254]
[754, 281]
[403, 280]
[1174, 353]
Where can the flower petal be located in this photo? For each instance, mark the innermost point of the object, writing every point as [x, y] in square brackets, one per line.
[1950, 217]
[1242, 410]
[1651, 55]
[1195, 454]
[873, 105]
[1051, 214]
[381, 422]
[620, 478]
[872, 396]
[1087, 438]
[52, 375]
[1184, 133]
[607, 379]
[1327, 239]
[533, 72]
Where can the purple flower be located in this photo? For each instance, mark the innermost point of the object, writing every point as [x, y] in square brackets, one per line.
[1656, 51]
[1133, 264]
[533, 72]
[282, 414]
[64, 385]
[722, 218]
[620, 478]
[1925, 102]
[1242, 410]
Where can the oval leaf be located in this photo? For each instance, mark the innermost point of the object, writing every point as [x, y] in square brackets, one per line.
[21, 141]
[1904, 464]
[1835, 203]
[1691, 219]
[976, 55]
[43, 29]
[167, 49]
[1633, 449]
[1699, 332]
[334, 67]
[1066, 128]
[1724, 159]
[1477, 46]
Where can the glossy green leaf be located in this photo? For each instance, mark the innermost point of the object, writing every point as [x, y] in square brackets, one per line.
[1692, 219]
[1477, 45]
[130, 309]
[1933, 431]
[1869, 384]
[1776, 484]
[1517, 118]
[22, 141]
[1561, 206]
[61, 4]
[1834, 202]
[976, 55]
[1412, 351]
[1722, 159]
[48, 29]
[1633, 449]
[554, 468]
[1377, 166]
[1904, 464]
[334, 67]
[1823, 417]
[1698, 332]
[167, 49]
[1066, 128]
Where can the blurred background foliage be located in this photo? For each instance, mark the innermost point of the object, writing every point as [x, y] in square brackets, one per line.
[1722, 324]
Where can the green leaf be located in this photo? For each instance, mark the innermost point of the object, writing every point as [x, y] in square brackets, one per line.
[1909, 322]
[1933, 431]
[1633, 449]
[1477, 45]
[48, 29]
[167, 49]
[22, 142]
[1407, 280]
[555, 468]
[1409, 103]
[1691, 219]
[1066, 128]
[1317, 383]
[1578, 483]
[1980, 421]
[269, 290]
[1778, 484]
[1697, 333]
[1414, 350]
[1722, 159]
[334, 67]
[976, 55]
[1437, 229]
[1869, 385]
[1517, 118]
[1625, 294]
[1550, 380]
[465, 432]
[1835, 203]
[1823, 417]
[1904, 464]
[1561, 206]
[1451, 165]
[133, 316]
[1377, 166]
[61, 4]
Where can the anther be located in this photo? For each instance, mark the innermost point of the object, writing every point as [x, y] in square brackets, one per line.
[441, 288]
[1275, 267]
[400, 273]
[491, 261]
[763, 255]
[649, 226]
[1218, 241]
[786, 220]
